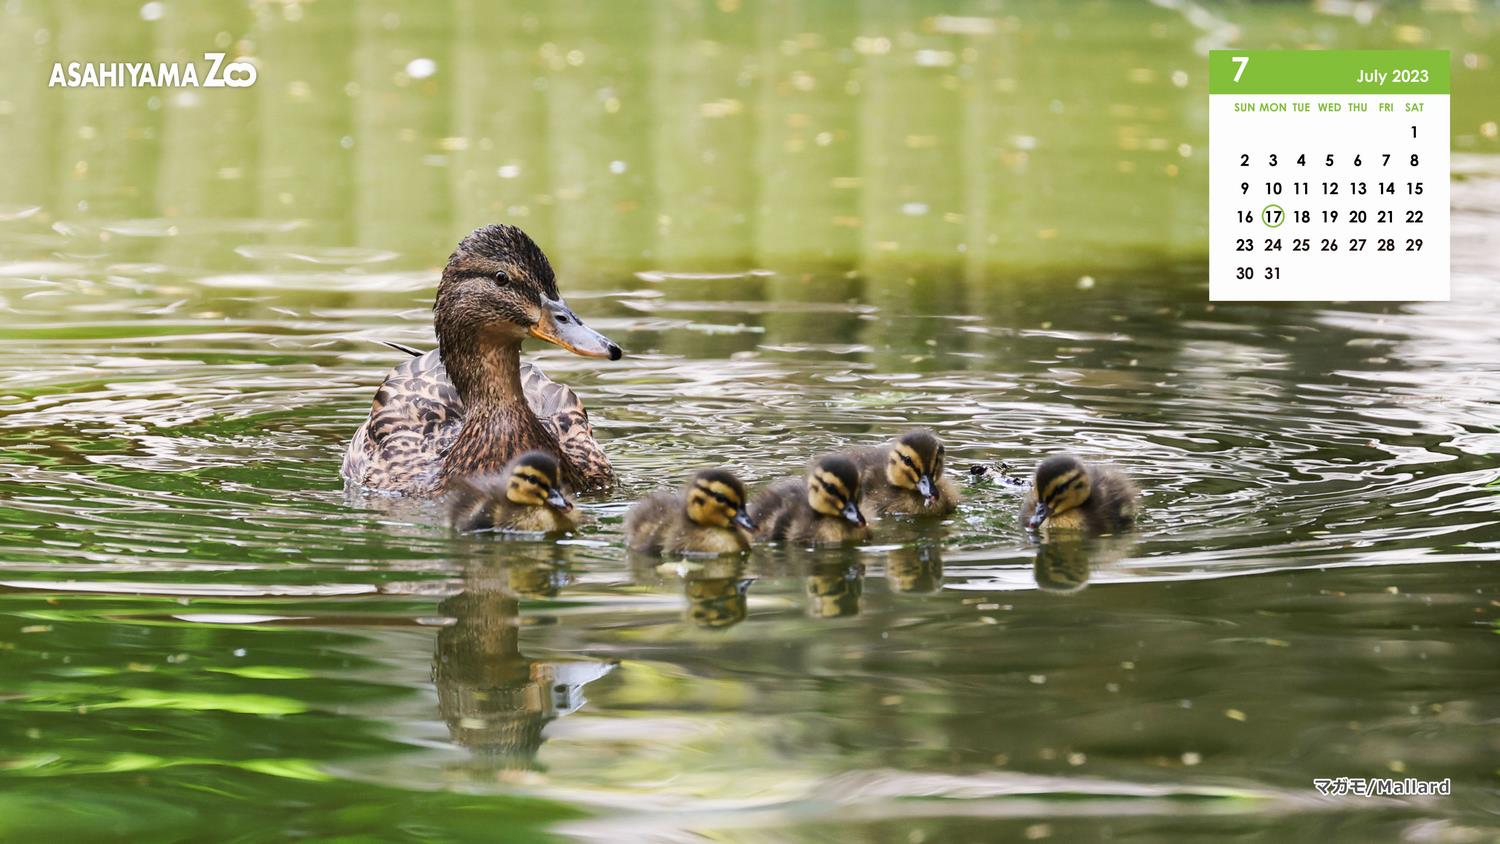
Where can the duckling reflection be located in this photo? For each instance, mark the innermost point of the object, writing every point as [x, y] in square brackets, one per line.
[494, 699]
[1062, 566]
[1065, 566]
[718, 594]
[915, 569]
[834, 589]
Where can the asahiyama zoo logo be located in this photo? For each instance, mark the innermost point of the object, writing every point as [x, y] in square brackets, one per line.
[147, 75]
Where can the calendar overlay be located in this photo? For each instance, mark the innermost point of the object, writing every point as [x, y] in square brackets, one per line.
[1328, 175]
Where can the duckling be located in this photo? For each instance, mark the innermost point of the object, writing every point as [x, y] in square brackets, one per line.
[526, 498]
[904, 477]
[470, 406]
[707, 517]
[1070, 495]
[822, 508]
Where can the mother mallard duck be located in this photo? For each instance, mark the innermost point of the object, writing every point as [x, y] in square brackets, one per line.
[471, 405]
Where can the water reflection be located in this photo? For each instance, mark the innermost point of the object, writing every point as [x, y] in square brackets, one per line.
[1062, 566]
[915, 569]
[717, 594]
[834, 586]
[496, 700]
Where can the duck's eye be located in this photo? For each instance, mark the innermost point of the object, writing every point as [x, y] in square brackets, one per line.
[501, 278]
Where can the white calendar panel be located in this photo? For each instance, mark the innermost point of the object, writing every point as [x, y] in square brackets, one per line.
[1328, 196]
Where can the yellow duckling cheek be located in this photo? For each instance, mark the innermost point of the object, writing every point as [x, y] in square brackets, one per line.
[517, 494]
[900, 474]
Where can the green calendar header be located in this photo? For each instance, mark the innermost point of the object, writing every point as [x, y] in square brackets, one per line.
[1328, 72]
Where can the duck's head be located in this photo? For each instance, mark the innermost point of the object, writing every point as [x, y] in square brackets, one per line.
[716, 498]
[498, 287]
[535, 480]
[916, 463]
[1062, 484]
[833, 488]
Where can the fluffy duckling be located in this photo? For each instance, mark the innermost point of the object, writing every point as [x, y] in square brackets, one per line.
[707, 517]
[1070, 495]
[525, 498]
[822, 508]
[904, 477]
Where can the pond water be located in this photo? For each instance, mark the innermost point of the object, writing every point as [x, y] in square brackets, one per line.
[810, 225]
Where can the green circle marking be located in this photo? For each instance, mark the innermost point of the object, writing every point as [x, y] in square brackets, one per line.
[1264, 216]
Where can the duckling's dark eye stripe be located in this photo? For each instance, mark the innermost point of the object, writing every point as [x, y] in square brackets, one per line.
[716, 495]
[907, 460]
[1061, 481]
[1057, 491]
[728, 492]
[824, 479]
[534, 480]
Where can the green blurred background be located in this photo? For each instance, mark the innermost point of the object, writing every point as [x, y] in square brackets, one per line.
[678, 132]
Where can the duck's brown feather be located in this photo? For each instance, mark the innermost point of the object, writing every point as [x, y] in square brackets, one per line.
[415, 420]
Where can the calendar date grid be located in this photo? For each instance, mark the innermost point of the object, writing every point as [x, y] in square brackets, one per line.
[1310, 194]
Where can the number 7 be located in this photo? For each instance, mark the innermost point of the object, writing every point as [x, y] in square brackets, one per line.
[1243, 62]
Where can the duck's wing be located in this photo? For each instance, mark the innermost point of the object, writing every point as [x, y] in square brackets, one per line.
[413, 421]
[563, 414]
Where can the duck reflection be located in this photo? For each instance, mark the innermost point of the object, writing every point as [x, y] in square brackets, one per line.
[717, 594]
[915, 569]
[834, 588]
[494, 699]
[1065, 565]
[1062, 566]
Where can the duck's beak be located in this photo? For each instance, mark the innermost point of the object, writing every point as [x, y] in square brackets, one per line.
[1041, 514]
[557, 501]
[559, 325]
[925, 489]
[742, 518]
[852, 514]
